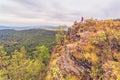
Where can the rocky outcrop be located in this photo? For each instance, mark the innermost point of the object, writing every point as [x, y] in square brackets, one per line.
[92, 52]
[72, 35]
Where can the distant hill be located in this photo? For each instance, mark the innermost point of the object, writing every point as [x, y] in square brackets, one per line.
[27, 27]
[14, 39]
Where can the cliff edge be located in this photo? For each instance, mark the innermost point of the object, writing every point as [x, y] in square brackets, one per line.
[92, 52]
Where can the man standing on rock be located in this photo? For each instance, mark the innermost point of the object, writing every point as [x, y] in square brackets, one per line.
[82, 19]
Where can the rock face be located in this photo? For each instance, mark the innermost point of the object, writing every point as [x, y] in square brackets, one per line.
[92, 53]
[69, 64]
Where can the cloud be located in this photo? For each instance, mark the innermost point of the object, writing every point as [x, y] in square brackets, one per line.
[113, 10]
[55, 12]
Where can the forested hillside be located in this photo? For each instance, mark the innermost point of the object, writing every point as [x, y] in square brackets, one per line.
[25, 54]
[13, 40]
[89, 50]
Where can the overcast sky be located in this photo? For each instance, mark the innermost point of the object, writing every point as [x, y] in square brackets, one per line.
[55, 12]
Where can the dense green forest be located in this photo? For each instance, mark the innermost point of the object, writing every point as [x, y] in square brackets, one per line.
[26, 52]
[20, 66]
[13, 40]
